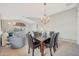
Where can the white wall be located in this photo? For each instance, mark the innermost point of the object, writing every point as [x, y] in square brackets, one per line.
[78, 24]
[63, 22]
[0, 23]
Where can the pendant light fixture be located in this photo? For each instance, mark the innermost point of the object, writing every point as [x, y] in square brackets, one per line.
[45, 18]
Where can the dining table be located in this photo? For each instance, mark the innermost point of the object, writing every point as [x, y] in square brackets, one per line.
[42, 44]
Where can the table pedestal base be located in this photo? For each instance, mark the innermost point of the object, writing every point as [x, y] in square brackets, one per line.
[42, 48]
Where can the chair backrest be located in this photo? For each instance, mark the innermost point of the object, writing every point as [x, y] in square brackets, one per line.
[52, 40]
[36, 34]
[30, 40]
[44, 34]
[56, 38]
[51, 32]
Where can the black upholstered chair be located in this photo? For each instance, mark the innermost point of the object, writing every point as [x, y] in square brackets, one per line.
[47, 41]
[52, 42]
[32, 44]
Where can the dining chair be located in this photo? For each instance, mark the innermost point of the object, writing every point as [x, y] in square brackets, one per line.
[56, 39]
[32, 44]
[43, 34]
[52, 43]
[34, 37]
[47, 41]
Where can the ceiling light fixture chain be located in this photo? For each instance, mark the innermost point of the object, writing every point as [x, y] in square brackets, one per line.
[44, 9]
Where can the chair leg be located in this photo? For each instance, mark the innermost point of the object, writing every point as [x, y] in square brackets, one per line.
[33, 52]
[54, 49]
[29, 50]
[51, 52]
[57, 45]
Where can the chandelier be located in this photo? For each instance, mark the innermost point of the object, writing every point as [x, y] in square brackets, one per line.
[45, 18]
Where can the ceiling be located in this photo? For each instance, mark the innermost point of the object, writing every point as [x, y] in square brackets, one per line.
[17, 10]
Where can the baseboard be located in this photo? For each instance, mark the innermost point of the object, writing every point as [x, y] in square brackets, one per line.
[68, 40]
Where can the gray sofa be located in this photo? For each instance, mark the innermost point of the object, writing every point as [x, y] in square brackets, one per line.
[17, 40]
